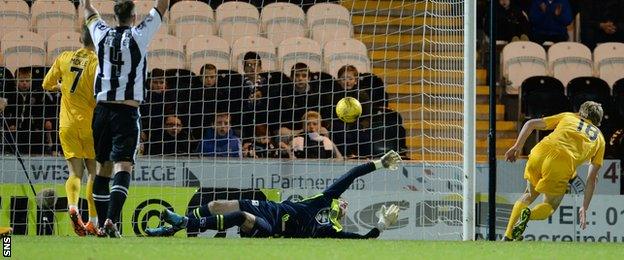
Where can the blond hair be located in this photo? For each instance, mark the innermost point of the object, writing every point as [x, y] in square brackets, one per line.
[311, 115]
[592, 111]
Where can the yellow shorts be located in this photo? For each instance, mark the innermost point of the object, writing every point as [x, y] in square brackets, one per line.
[77, 143]
[549, 170]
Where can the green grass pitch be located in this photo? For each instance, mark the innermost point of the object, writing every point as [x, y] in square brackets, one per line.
[54, 247]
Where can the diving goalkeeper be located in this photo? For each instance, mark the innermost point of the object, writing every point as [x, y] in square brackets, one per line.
[286, 219]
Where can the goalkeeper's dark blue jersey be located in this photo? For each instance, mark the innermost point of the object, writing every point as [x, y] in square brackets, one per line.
[313, 217]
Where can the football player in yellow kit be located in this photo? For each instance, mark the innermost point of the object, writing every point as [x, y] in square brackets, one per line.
[553, 161]
[75, 70]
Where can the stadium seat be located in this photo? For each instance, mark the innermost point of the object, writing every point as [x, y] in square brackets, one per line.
[520, 61]
[609, 61]
[49, 17]
[542, 96]
[583, 89]
[329, 21]
[340, 52]
[236, 20]
[143, 8]
[281, 21]
[263, 46]
[165, 52]
[60, 42]
[618, 97]
[14, 16]
[207, 49]
[299, 49]
[23, 49]
[191, 18]
[568, 60]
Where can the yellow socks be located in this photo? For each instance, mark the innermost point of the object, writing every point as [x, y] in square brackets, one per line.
[515, 214]
[541, 211]
[91, 202]
[72, 188]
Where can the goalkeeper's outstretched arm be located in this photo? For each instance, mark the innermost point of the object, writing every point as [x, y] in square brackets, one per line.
[390, 161]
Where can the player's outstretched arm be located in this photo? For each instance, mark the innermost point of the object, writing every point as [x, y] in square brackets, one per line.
[390, 161]
[592, 178]
[89, 10]
[526, 131]
[162, 6]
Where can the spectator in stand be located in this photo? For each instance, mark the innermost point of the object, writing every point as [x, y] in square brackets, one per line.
[158, 101]
[172, 140]
[297, 98]
[220, 140]
[602, 21]
[264, 147]
[25, 116]
[312, 143]
[549, 20]
[512, 23]
[204, 101]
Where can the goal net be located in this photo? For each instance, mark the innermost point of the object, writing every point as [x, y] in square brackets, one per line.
[239, 104]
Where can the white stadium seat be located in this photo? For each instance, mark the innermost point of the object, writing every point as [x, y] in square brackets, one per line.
[207, 49]
[191, 18]
[340, 52]
[263, 46]
[294, 50]
[49, 17]
[520, 61]
[165, 52]
[328, 21]
[14, 16]
[281, 21]
[60, 42]
[609, 62]
[23, 49]
[569, 60]
[236, 20]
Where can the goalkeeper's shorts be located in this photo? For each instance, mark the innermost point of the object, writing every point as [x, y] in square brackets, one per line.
[549, 170]
[267, 210]
[77, 142]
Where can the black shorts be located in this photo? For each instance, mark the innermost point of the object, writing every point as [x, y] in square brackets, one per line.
[270, 211]
[115, 132]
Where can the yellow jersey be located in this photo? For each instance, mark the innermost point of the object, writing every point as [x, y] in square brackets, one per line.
[76, 72]
[576, 136]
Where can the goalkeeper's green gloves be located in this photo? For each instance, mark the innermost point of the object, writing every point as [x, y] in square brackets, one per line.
[387, 216]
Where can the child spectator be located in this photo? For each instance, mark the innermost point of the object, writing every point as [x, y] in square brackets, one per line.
[220, 140]
[172, 140]
[264, 147]
[312, 144]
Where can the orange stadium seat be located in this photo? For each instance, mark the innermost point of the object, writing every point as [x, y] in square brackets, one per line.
[340, 52]
[328, 21]
[263, 46]
[609, 61]
[190, 18]
[14, 16]
[299, 49]
[281, 21]
[568, 60]
[520, 61]
[51, 16]
[23, 49]
[207, 49]
[165, 52]
[236, 20]
[60, 42]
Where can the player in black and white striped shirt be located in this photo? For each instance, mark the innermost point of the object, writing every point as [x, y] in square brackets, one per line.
[118, 87]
